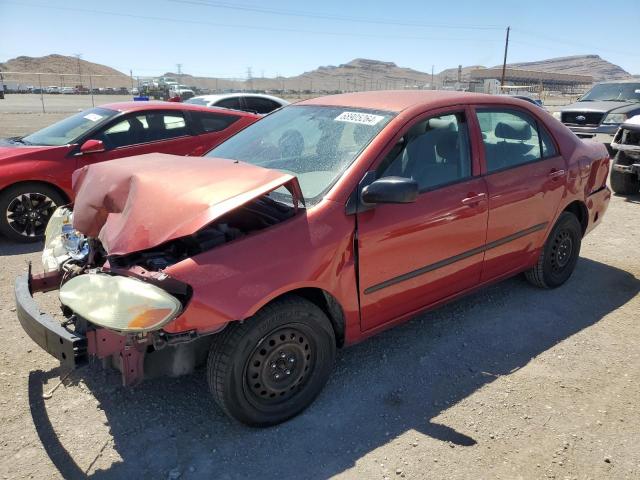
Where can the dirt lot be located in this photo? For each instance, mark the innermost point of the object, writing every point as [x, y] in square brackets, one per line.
[511, 382]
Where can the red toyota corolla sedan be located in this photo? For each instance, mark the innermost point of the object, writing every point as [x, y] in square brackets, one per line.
[35, 171]
[321, 224]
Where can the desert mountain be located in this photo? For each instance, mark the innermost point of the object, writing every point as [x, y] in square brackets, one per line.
[54, 65]
[358, 74]
[592, 65]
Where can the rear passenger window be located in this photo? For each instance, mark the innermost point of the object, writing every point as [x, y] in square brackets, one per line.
[261, 105]
[548, 147]
[212, 122]
[433, 152]
[233, 102]
[511, 138]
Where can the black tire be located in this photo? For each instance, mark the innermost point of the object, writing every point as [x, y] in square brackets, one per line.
[272, 366]
[624, 183]
[25, 210]
[559, 255]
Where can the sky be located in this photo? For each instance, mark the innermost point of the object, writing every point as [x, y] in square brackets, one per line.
[287, 37]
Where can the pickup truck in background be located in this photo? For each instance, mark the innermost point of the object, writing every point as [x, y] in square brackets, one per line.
[601, 111]
[625, 172]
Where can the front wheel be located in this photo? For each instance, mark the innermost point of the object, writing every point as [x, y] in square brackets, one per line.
[25, 210]
[272, 366]
[559, 254]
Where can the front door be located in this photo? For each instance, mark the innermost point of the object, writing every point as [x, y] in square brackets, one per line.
[526, 179]
[413, 255]
[144, 132]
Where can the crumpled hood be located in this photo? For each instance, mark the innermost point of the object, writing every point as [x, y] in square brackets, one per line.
[136, 203]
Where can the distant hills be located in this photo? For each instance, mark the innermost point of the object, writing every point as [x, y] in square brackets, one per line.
[358, 74]
[57, 64]
[592, 65]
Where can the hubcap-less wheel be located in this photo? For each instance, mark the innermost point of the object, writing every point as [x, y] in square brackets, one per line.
[28, 214]
[561, 250]
[277, 367]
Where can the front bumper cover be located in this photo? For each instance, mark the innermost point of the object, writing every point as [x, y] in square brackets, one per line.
[601, 133]
[68, 347]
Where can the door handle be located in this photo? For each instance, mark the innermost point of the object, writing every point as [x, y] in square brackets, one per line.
[557, 173]
[473, 199]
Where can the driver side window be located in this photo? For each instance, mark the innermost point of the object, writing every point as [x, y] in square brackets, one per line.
[433, 152]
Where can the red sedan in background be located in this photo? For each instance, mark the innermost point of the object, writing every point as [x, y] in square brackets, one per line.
[35, 171]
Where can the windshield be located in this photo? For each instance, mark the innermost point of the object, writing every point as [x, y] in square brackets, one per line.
[316, 144]
[70, 129]
[618, 92]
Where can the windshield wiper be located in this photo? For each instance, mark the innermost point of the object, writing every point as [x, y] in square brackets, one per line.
[19, 140]
[614, 100]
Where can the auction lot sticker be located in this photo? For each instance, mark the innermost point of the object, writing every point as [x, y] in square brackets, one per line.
[94, 117]
[358, 117]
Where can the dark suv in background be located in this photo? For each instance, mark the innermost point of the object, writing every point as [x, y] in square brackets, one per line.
[599, 113]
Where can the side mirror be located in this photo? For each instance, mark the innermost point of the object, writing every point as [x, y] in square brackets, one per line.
[390, 190]
[92, 146]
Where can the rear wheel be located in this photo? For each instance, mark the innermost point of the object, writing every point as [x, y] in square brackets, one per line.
[559, 255]
[25, 210]
[272, 366]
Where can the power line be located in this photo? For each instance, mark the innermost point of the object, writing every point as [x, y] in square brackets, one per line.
[249, 27]
[326, 16]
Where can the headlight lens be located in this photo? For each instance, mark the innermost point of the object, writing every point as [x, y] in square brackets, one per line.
[614, 119]
[557, 115]
[119, 303]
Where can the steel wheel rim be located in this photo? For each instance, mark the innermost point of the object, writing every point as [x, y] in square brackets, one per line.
[28, 213]
[562, 250]
[279, 366]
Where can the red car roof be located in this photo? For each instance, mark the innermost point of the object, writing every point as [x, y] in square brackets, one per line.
[398, 100]
[159, 105]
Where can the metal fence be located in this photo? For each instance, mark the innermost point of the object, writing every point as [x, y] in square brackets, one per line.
[49, 92]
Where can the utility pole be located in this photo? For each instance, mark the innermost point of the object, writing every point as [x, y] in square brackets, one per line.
[249, 78]
[179, 67]
[433, 85]
[79, 56]
[504, 63]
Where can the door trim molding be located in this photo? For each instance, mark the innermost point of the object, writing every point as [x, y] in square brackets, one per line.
[454, 259]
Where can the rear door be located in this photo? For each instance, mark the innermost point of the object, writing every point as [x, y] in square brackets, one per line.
[413, 255]
[526, 179]
[214, 127]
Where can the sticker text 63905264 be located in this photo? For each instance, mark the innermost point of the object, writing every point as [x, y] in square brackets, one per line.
[359, 117]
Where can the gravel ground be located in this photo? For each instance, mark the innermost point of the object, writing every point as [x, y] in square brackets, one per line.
[510, 382]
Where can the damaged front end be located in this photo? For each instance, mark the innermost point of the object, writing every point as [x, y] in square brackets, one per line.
[627, 145]
[108, 264]
[108, 316]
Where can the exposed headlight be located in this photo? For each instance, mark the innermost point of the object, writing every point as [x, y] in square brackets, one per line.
[614, 119]
[119, 303]
[557, 115]
[61, 241]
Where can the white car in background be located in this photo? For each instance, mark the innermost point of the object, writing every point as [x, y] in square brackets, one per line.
[248, 102]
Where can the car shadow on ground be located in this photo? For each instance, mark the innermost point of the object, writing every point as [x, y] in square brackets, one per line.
[9, 247]
[396, 382]
[635, 198]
